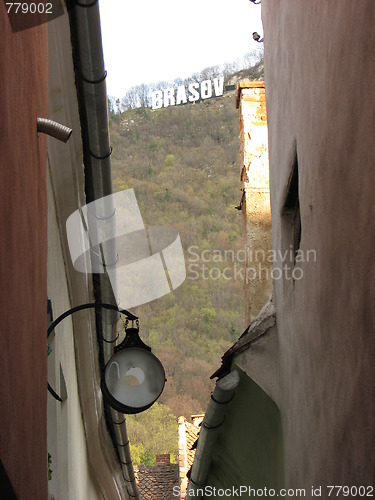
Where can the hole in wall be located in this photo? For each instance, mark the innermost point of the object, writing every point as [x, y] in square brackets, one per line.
[291, 207]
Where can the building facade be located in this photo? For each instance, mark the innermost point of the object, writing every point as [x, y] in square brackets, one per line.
[307, 376]
[255, 202]
[73, 446]
[321, 121]
[23, 222]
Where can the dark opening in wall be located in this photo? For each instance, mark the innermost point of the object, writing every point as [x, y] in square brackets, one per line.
[291, 207]
[6, 489]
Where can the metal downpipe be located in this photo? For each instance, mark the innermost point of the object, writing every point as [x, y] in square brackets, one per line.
[212, 422]
[92, 96]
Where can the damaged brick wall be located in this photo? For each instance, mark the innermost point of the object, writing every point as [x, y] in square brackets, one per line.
[255, 202]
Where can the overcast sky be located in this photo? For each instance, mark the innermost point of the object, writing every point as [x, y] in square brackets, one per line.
[146, 41]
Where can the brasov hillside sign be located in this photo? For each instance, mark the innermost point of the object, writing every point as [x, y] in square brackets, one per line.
[182, 95]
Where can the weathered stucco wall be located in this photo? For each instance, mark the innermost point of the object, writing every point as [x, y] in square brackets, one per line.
[23, 257]
[319, 75]
[249, 448]
[255, 204]
[84, 460]
[72, 477]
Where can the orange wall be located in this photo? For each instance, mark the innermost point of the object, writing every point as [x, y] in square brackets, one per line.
[319, 77]
[23, 256]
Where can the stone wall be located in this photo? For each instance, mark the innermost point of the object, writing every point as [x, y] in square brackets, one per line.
[187, 435]
[255, 203]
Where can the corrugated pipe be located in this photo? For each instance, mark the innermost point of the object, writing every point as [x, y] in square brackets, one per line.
[54, 129]
[213, 420]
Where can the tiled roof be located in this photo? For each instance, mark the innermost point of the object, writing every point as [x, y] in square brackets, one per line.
[192, 433]
[156, 482]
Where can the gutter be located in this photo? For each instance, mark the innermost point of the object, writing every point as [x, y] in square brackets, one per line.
[213, 420]
[84, 18]
[258, 328]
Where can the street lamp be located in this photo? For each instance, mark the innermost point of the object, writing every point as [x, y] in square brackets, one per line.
[133, 379]
[257, 37]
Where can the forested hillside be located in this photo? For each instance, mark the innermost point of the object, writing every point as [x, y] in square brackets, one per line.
[182, 162]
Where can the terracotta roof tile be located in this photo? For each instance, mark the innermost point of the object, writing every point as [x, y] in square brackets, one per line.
[156, 482]
[192, 433]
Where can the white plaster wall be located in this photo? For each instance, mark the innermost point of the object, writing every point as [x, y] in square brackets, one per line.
[260, 363]
[67, 180]
[71, 477]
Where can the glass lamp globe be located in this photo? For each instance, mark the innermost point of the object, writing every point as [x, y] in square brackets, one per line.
[133, 380]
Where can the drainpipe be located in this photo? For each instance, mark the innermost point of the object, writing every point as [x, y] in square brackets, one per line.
[90, 73]
[213, 420]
